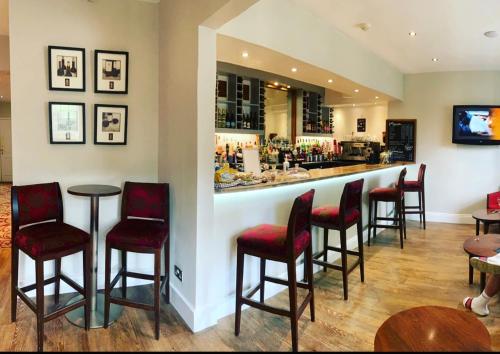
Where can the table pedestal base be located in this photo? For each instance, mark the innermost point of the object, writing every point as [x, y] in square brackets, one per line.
[77, 317]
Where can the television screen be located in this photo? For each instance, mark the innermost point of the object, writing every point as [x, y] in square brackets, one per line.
[477, 125]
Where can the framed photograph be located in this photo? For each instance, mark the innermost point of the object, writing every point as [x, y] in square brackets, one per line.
[111, 72]
[361, 125]
[66, 68]
[67, 123]
[110, 124]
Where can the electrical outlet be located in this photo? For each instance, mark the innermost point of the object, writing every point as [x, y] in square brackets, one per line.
[178, 273]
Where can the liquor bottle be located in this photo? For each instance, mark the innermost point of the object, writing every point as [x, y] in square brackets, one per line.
[233, 121]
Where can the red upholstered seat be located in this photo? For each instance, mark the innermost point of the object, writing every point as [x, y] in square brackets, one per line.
[270, 240]
[138, 233]
[41, 240]
[328, 216]
[410, 186]
[384, 194]
[493, 200]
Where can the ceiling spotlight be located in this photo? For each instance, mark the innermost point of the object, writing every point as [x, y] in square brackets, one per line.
[244, 54]
[376, 97]
[353, 105]
[288, 86]
[330, 81]
[294, 70]
[356, 90]
[435, 59]
[276, 83]
[491, 34]
[412, 34]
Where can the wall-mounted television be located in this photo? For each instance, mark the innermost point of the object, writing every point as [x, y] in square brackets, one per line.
[476, 125]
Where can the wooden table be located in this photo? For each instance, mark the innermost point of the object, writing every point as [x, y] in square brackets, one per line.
[481, 246]
[432, 328]
[94, 191]
[487, 217]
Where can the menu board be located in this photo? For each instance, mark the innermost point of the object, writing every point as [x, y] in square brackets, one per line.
[401, 139]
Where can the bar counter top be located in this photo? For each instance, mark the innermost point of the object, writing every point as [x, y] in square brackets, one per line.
[316, 175]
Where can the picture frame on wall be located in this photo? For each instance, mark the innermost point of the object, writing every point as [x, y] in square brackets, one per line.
[110, 124]
[66, 123]
[66, 68]
[361, 125]
[111, 72]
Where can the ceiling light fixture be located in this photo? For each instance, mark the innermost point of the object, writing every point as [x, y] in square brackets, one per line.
[276, 83]
[353, 105]
[491, 34]
[294, 70]
[356, 90]
[244, 54]
[288, 86]
[376, 97]
[435, 59]
[412, 34]
[330, 81]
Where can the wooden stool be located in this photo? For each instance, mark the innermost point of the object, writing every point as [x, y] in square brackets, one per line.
[342, 218]
[395, 195]
[481, 246]
[280, 244]
[432, 329]
[418, 187]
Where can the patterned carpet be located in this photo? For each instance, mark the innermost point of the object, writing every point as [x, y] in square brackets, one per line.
[4, 215]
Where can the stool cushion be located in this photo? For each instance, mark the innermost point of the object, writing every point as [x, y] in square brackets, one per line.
[270, 240]
[329, 215]
[48, 238]
[412, 186]
[384, 194]
[138, 233]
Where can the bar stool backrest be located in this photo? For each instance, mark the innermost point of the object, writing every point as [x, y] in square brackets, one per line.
[35, 203]
[421, 174]
[145, 200]
[351, 198]
[300, 222]
[401, 181]
[493, 200]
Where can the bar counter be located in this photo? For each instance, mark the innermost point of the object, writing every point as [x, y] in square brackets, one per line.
[317, 175]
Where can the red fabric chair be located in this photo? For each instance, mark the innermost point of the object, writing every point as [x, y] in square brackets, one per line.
[341, 218]
[418, 187]
[395, 195]
[38, 230]
[493, 200]
[144, 228]
[281, 244]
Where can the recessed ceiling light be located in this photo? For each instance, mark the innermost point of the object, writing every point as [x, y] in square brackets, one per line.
[330, 81]
[356, 90]
[288, 86]
[435, 59]
[376, 97]
[491, 34]
[244, 54]
[353, 105]
[276, 83]
[412, 34]
[294, 70]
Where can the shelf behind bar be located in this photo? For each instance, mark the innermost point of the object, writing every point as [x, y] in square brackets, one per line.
[239, 131]
[317, 134]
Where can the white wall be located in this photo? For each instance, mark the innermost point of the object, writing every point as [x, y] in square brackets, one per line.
[127, 25]
[458, 176]
[287, 27]
[346, 117]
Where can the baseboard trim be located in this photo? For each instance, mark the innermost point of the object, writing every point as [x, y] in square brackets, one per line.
[445, 218]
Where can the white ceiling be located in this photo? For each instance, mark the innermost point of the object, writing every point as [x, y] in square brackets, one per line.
[4, 17]
[451, 30]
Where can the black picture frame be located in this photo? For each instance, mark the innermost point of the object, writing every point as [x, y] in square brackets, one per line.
[52, 84]
[51, 125]
[361, 125]
[111, 90]
[110, 141]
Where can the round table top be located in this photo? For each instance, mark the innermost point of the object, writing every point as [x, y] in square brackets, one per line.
[483, 246]
[94, 190]
[432, 328]
[488, 215]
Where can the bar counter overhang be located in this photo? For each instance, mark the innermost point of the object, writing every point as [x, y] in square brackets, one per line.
[238, 208]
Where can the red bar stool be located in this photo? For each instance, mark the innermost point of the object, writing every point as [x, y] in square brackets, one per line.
[342, 218]
[493, 200]
[144, 228]
[395, 195]
[419, 187]
[39, 231]
[280, 244]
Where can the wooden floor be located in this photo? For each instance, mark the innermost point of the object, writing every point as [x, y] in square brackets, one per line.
[431, 270]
